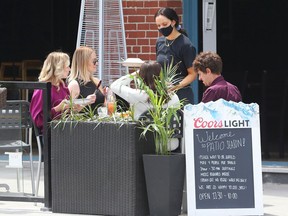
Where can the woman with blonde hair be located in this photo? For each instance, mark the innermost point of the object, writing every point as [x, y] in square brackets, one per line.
[82, 83]
[55, 69]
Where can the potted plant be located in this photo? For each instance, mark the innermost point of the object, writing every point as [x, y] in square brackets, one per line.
[164, 171]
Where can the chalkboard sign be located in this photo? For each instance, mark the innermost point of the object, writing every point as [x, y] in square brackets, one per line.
[223, 159]
[223, 171]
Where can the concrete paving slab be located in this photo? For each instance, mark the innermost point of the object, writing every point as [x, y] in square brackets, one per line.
[275, 204]
[275, 200]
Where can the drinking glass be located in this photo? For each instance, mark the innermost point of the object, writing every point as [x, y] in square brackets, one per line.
[102, 111]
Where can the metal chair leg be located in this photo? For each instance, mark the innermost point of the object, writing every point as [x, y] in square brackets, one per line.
[39, 165]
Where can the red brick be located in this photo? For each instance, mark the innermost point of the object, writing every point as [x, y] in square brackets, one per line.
[152, 57]
[143, 41]
[153, 11]
[131, 41]
[150, 34]
[172, 4]
[129, 49]
[141, 30]
[146, 49]
[150, 4]
[143, 11]
[130, 11]
[145, 57]
[136, 49]
[134, 3]
[152, 41]
[150, 19]
[136, 34]
[180, 18]
[132, 19]
[143, 26]
[153, 26]
[179, 11]
[129, 26]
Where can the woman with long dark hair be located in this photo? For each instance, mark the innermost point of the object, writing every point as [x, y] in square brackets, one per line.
[174, 46]
[138, 98]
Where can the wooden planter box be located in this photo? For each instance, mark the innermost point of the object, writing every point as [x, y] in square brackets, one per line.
[98, 169]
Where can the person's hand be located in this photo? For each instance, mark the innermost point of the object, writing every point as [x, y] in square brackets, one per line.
[91, 98]
[135, 73]
[169, 85]
[77, 107]
[63, 105]
[105, 90]
[174, 88]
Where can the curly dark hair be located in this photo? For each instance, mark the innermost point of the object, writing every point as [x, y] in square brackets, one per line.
[209, 60]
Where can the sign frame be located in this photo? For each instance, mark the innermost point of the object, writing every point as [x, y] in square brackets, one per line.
[248, 112]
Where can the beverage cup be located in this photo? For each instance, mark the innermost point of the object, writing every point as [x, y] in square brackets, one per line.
[102, 111]
[111, 106]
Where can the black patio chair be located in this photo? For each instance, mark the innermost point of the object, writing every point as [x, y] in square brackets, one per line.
[16, 134]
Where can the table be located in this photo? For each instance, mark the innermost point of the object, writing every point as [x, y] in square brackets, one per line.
[97, 168]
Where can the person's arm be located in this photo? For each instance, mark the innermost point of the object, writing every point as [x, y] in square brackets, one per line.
[121, 87]
[74, 89]
[60, 107]
[192, 75]
[188, 55]
[36, 108]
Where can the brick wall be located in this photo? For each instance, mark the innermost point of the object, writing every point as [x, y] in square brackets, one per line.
[141, 30]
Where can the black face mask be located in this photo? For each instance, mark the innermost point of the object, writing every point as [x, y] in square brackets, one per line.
[166, 31]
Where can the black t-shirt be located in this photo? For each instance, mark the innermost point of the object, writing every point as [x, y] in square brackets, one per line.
[181, 49]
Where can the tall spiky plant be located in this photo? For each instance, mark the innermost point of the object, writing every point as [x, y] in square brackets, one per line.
[160, 117]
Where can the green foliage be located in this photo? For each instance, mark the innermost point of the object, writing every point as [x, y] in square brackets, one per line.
[160, 116]
[71, 116]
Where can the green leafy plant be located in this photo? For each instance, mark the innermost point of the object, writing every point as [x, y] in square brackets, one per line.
[72, 117]
[160, 119]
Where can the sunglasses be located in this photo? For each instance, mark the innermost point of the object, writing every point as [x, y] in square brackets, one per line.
[95, 61]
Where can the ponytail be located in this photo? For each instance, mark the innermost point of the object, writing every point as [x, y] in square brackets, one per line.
[181, 30]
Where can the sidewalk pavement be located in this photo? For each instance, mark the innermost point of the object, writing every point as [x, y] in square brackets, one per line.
[275, 199]
[275, 204]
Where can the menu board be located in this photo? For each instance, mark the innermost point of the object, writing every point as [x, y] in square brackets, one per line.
[223, 171]
[223, 159]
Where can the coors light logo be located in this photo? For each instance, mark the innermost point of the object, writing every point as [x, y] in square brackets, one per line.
[201, 123]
